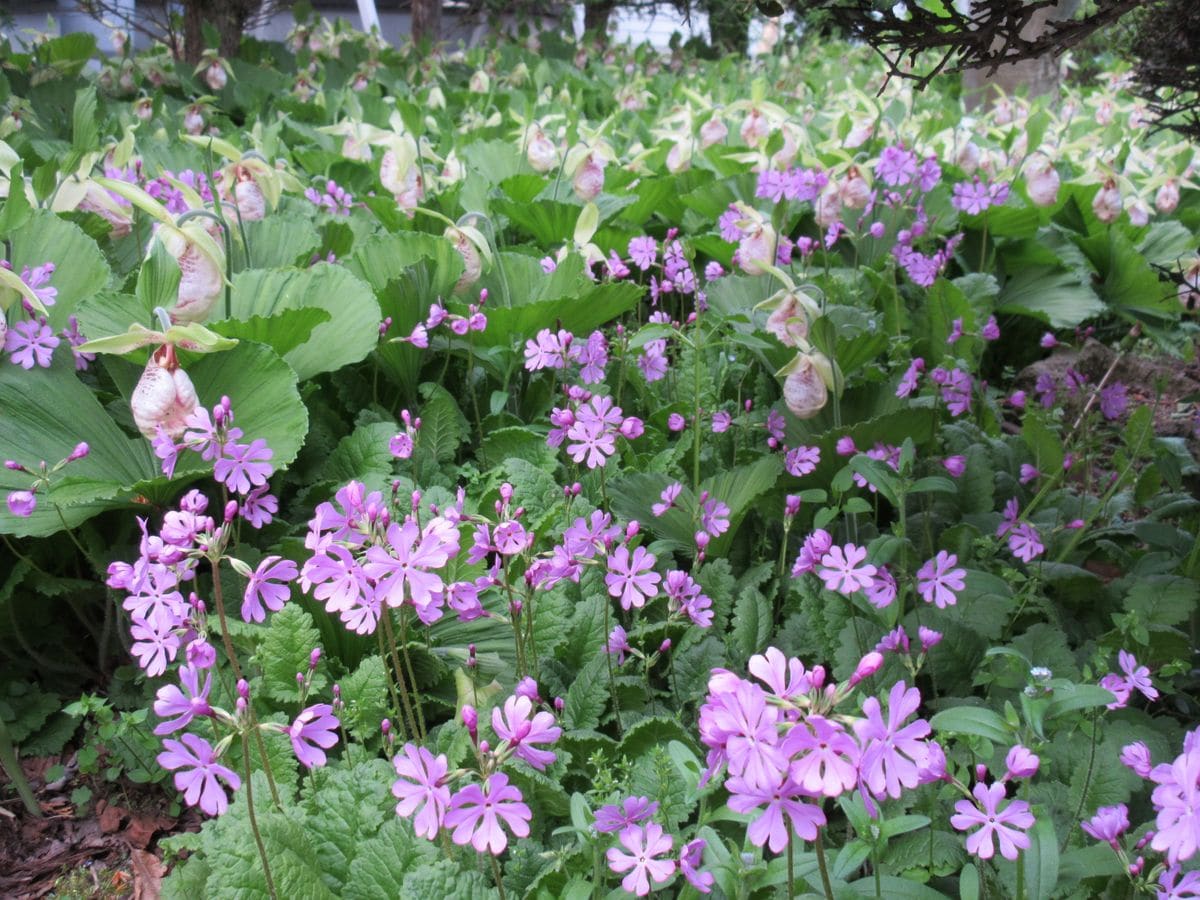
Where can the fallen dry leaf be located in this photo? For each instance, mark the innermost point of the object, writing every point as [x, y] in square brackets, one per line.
[148, 873]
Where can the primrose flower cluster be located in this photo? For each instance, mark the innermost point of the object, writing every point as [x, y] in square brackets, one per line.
[169, 629]
[29, 340]
[788, 740]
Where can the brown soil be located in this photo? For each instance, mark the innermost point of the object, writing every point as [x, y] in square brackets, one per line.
[1173, 383]
[106, 849]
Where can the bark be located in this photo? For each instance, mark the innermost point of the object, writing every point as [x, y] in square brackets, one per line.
[229, 17]
[1030, 77]
[426, 21]
[729, 25]
[193, 32]
[595, 20]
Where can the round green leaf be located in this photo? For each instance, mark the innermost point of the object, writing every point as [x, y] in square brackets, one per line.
[351, 332]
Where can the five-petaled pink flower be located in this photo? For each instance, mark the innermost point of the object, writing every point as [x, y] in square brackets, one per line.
[184, 704]
[842, 569]
[632, 579]
[421, 788]
[522, 730]
[268, 587]
[782, 797]
[244, 466]
[938, 581]
[315, 728]
[200, 771]
[476, 814]
[1007, 824]
[893, 753]
[643, 844]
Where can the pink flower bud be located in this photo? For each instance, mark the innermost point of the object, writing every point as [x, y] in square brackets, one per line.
[385, 726]
[1021, 763]
[314, 658]
[929, 638]
[526, 687]
[632, 428]
[980, 771]
[470, 717]
[791, 506]
[867, 666]
[81, 450]
[702, 539]
[845, 446]
[676, 422]
[13, 466]
[955, 465]
[300, 679]
[231, 509]
[559, 705]
[243, 689]
[22, 503]
[631, 530]
[664, 646]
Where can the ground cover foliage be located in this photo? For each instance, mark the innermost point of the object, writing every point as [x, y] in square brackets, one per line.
[525, 473]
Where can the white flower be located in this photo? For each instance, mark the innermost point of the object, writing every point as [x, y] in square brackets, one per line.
[164, 395]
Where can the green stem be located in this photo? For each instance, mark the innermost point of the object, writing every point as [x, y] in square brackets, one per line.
[391, 683]
[258, 841]
[696, 360]
[791, 860]
[411, 722]
[1087, 780]
[12, 767]
[823, 866]
[496, 875]
[612, 678]
[412, 678]
[1020, 892]
[219, 600]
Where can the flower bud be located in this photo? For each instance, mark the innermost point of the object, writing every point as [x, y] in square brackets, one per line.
[540, 151]
[1107, 202]
[164, 395]
[22, 503]
[665, 645]
[314, 658]
[589, 179]
[81, 450]
[385, 726]
[470, 719]
[243, 689]
[527, 688]
[632, 428]
[980, 771]
[1167, 197]
[559, 705]
[215, 76]
[804, 389]
[1021, 763]
[791, 506]
[472, 261]
[251, 204]
[631, 530]
[1042, 184]
[867, 666]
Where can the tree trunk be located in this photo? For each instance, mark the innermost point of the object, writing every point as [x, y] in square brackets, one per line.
[596, 16]
[193, 32]
[728, 25]
[1031, 77]
[426, 21]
